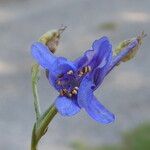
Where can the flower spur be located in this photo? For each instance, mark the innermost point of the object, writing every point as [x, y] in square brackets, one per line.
[77, 80]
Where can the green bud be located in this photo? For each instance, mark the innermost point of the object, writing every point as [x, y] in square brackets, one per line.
[125, 43]
[51, 38]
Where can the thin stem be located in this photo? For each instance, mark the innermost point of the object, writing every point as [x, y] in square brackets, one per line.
[40, 127]
[33, 141]
[35, 78]
[44, 121]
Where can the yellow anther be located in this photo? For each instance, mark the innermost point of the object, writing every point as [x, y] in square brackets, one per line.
[81, 73]
[89, 68]
[84, 70]
[70, 72]
[75, 92]
[65, 91]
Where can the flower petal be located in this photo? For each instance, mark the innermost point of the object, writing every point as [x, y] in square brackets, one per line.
[85, 59]
[43, 55]
[99, 113]
[85, 92]
[97, 56]
[61, 65]
[87, 100]
[99, 73]
[102, 49]
[54, 65]
[66, 106]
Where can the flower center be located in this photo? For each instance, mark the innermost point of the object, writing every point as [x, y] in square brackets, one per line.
[70, 81]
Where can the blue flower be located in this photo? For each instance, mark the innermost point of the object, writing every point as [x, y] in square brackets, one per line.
[77, 80]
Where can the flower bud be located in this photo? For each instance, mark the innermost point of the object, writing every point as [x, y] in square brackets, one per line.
[51, 38]
[132, 52]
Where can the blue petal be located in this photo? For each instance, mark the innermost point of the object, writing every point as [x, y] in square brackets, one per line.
[94, 108]
[98, 76]
[100, 72]
[97, 56]
[85, 59]
[43, 55]
[55, 65]
[99, 113]
[62, 65]
[85, 92]
[102, 49]
[66, 106]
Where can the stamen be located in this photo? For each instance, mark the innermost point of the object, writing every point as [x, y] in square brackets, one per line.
[81, 73]
[75, 92]
[69, 94]
[89, 68]
[70, 72]
[63, 92]
[84, 70]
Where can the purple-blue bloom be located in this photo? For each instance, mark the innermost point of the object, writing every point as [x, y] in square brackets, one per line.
[77, 80]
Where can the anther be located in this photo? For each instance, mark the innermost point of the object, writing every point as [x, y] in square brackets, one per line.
[74, 92]
[63, 92]
[69, 94]
[85, 69]
[80, 73]
[89, 68]
[70, 72]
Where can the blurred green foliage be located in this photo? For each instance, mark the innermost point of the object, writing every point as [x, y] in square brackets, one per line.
[108, 26]
[136, 139]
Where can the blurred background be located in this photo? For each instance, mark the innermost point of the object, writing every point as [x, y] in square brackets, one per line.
[125, 92]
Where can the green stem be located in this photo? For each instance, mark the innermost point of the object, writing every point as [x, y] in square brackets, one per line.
[36, 102]
[33, 141]
[40, 127]
[35, 78]
[44, 121]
